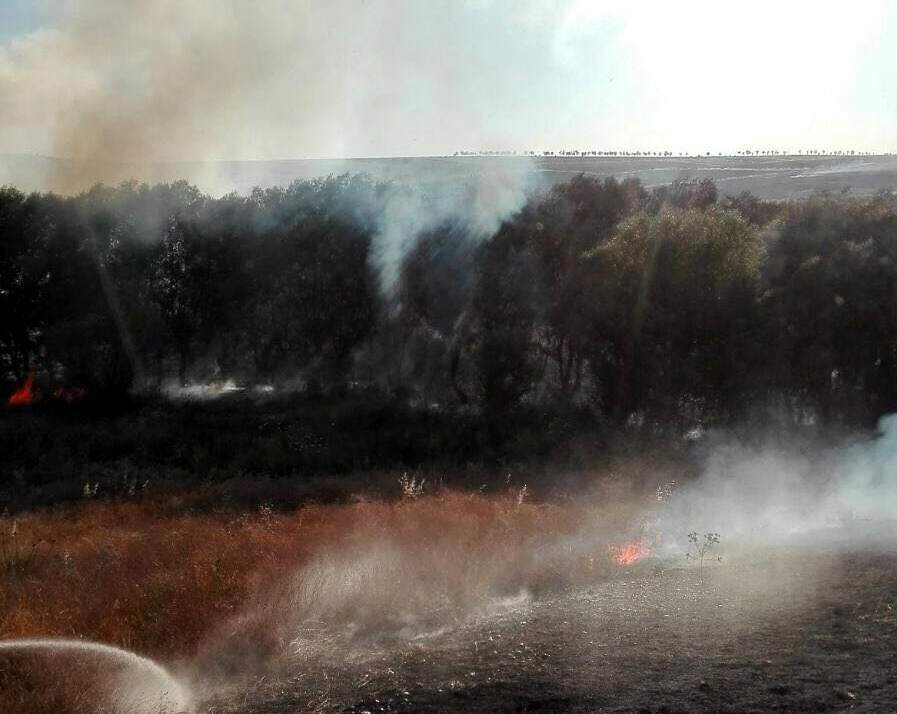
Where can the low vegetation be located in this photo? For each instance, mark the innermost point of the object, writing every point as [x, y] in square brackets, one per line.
[699, 547]
[165, 579]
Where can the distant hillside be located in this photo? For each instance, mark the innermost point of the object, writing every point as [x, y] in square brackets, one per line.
[767, 177]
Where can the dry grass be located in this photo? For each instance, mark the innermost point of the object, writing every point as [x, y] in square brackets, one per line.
[215, 589]
[141, 577]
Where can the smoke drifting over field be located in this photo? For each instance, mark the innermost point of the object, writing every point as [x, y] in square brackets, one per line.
[407, 574]
[785, 493]
[225, 81]
[136, 81]
[401, 569]
[365, 575]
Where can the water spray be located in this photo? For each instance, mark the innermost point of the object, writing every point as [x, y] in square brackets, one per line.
[133, 684]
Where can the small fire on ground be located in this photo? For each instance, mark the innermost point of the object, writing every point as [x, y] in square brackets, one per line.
[25, 394]
[28, 394]
[629, 553]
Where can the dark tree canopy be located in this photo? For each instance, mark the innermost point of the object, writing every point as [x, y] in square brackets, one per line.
[665, 306]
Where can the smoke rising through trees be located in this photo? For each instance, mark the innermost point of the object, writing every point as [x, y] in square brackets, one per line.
[670, 306]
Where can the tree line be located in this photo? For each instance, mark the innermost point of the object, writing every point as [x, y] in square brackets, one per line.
[666, 306]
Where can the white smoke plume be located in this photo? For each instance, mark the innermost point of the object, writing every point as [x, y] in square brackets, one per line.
[478, 202]
[791, 494]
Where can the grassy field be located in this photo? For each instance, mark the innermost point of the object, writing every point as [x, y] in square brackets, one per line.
[400, 594]
[282, 556]
[291, 451]
[220, 595]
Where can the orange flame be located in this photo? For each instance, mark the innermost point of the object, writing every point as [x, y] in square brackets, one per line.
[628, 553]
[25, 394]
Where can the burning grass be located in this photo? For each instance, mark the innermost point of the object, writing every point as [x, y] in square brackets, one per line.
[629, 553]
[29, 394]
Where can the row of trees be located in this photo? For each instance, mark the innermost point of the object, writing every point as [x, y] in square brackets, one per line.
[665, 154]
[668, 306]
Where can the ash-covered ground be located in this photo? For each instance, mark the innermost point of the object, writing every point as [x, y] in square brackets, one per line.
[810, 626]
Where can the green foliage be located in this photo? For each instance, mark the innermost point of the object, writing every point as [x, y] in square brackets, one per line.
[674, 315]
[663, 308]
[831, 279]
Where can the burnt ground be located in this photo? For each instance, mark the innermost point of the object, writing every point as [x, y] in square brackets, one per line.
[770, 631]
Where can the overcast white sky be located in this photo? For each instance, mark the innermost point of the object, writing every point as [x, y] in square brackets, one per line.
[222, 79]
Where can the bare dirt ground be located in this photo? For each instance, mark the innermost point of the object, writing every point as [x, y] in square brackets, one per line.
[772, 630]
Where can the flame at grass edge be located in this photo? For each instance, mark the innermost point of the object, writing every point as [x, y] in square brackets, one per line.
[629, 553]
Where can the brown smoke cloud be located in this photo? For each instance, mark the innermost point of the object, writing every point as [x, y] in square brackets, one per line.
[116, 87]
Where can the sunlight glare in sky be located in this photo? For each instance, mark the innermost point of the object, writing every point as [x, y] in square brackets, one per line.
[396, 77]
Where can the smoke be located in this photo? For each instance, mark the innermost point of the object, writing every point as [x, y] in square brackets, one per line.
[400, 571]
[406, 570]
[131, 83]
[477, 203]
[165, 90]
[376, 572]
[790, 494]
[414, 571]
[156, 90]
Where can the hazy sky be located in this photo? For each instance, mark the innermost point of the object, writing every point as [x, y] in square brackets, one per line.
[216, 79]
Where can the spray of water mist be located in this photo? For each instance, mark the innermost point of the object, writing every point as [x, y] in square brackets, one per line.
[405, 570]
[383, 572]
[761, 494]
[128, 682]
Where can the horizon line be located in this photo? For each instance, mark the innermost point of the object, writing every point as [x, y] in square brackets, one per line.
[498, 153]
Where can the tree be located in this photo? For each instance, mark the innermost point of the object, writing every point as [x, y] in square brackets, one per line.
[573, 218]
[315, 296]
[503, 312]
[684, 193]
[24, 278]
[831, 281]
[176, 290]
[675, 326]
[434, 292]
